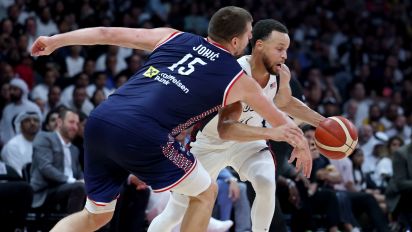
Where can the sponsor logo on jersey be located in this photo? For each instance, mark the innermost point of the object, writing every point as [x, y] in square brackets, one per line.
[273, 85]
[165, 78]
[151, 72]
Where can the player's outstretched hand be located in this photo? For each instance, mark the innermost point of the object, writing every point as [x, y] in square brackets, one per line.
[301, 153]
[43, 46]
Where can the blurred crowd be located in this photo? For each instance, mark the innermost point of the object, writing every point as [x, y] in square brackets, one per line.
[352, 58]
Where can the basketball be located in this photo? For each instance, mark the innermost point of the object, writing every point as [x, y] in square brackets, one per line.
[336, 137]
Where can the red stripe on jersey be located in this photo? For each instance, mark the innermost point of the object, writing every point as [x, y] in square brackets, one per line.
[174, 34]
[230, 86]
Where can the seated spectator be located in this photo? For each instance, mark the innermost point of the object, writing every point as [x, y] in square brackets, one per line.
[18, 151]
[50, 122]
[401, 129]
[399, 191]
[233, 195]
[362, 182]
[361, 202]
[324, 176]
[19, 102]
[374, 119]
[15, 199]
[99, 83]
[56, 175]
[382, 170]
[394, 143]
[80, 101]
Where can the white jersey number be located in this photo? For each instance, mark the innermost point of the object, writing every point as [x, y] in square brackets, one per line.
[183, 70]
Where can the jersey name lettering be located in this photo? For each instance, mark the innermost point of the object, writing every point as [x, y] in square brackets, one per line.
[206, 52]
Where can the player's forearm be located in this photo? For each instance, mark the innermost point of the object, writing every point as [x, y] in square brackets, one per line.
[233, 130]
[299, 110]
[86, 36]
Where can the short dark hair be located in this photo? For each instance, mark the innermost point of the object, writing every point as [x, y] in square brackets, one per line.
[228, 22]
[63, 112]
[263, 29]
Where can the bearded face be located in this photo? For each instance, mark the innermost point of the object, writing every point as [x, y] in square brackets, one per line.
[15, 94]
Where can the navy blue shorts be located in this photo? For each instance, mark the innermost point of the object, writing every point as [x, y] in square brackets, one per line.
[112, 153]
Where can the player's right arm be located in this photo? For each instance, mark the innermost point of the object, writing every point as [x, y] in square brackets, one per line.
[230, 128]
[247, 90]
[135, 38]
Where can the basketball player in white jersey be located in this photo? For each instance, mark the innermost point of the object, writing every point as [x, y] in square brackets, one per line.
[248, 154]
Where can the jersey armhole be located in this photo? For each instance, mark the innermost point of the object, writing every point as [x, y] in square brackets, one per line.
[171, 36]
[229, 87]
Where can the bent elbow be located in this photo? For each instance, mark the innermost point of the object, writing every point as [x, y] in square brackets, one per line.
[223, 133]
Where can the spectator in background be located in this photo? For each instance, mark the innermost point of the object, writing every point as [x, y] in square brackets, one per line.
[19, 103]
[374, 119]
[41, 90]
[45, 24]
[233, 195]
[98, 97]
[18, 151]
[50, 122]
[100, 79]
[134, 62]
[79, 138]
[392, 110]
[80, 101]
[81, 80]
[4, 96]
[89, 67]
[119, 55]
[393, 145]
[401, 129]
[399, 191]
[53, 100]
[350, 109]
[74, 61]
[362, 182]
[56, 175]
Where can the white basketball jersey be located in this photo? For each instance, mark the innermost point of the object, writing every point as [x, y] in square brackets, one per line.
[209, 136]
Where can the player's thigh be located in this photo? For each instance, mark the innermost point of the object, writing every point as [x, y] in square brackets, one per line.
[212, 160]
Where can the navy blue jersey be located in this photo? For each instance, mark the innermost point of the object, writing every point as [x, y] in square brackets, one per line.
[184, 80]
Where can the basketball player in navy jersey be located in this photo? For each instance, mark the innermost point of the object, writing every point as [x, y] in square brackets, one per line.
[249, 155]
[185, 79]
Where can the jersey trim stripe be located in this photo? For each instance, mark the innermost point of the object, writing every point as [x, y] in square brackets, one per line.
[217, 45]
[173, 35]
[229, 87]
[177, 182]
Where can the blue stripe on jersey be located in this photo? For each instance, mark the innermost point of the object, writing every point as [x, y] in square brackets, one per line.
[183, 80]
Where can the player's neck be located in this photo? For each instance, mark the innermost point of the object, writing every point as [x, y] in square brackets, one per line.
[221, 45]
[258, 69]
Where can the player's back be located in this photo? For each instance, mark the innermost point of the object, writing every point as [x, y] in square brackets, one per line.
[184, 79]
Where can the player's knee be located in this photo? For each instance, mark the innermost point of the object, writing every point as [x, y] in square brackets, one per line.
[265, 183]
[209, 195]
[99, 220]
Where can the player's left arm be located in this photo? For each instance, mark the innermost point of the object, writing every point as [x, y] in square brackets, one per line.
[291, 105]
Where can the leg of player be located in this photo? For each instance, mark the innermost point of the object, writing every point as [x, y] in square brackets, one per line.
[259, 169]
[200, 208]
[82, 221]
[201, 192]
[171, 215]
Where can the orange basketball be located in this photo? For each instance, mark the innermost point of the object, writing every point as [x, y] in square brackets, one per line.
[336, 137]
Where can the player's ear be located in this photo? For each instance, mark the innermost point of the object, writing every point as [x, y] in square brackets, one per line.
[234, 41]
[259, 44]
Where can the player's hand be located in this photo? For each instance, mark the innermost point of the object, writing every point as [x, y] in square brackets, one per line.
[234, 191]
[289, 133]
[43, 46]
[133, 180]
[303, 157]
[284, 71]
